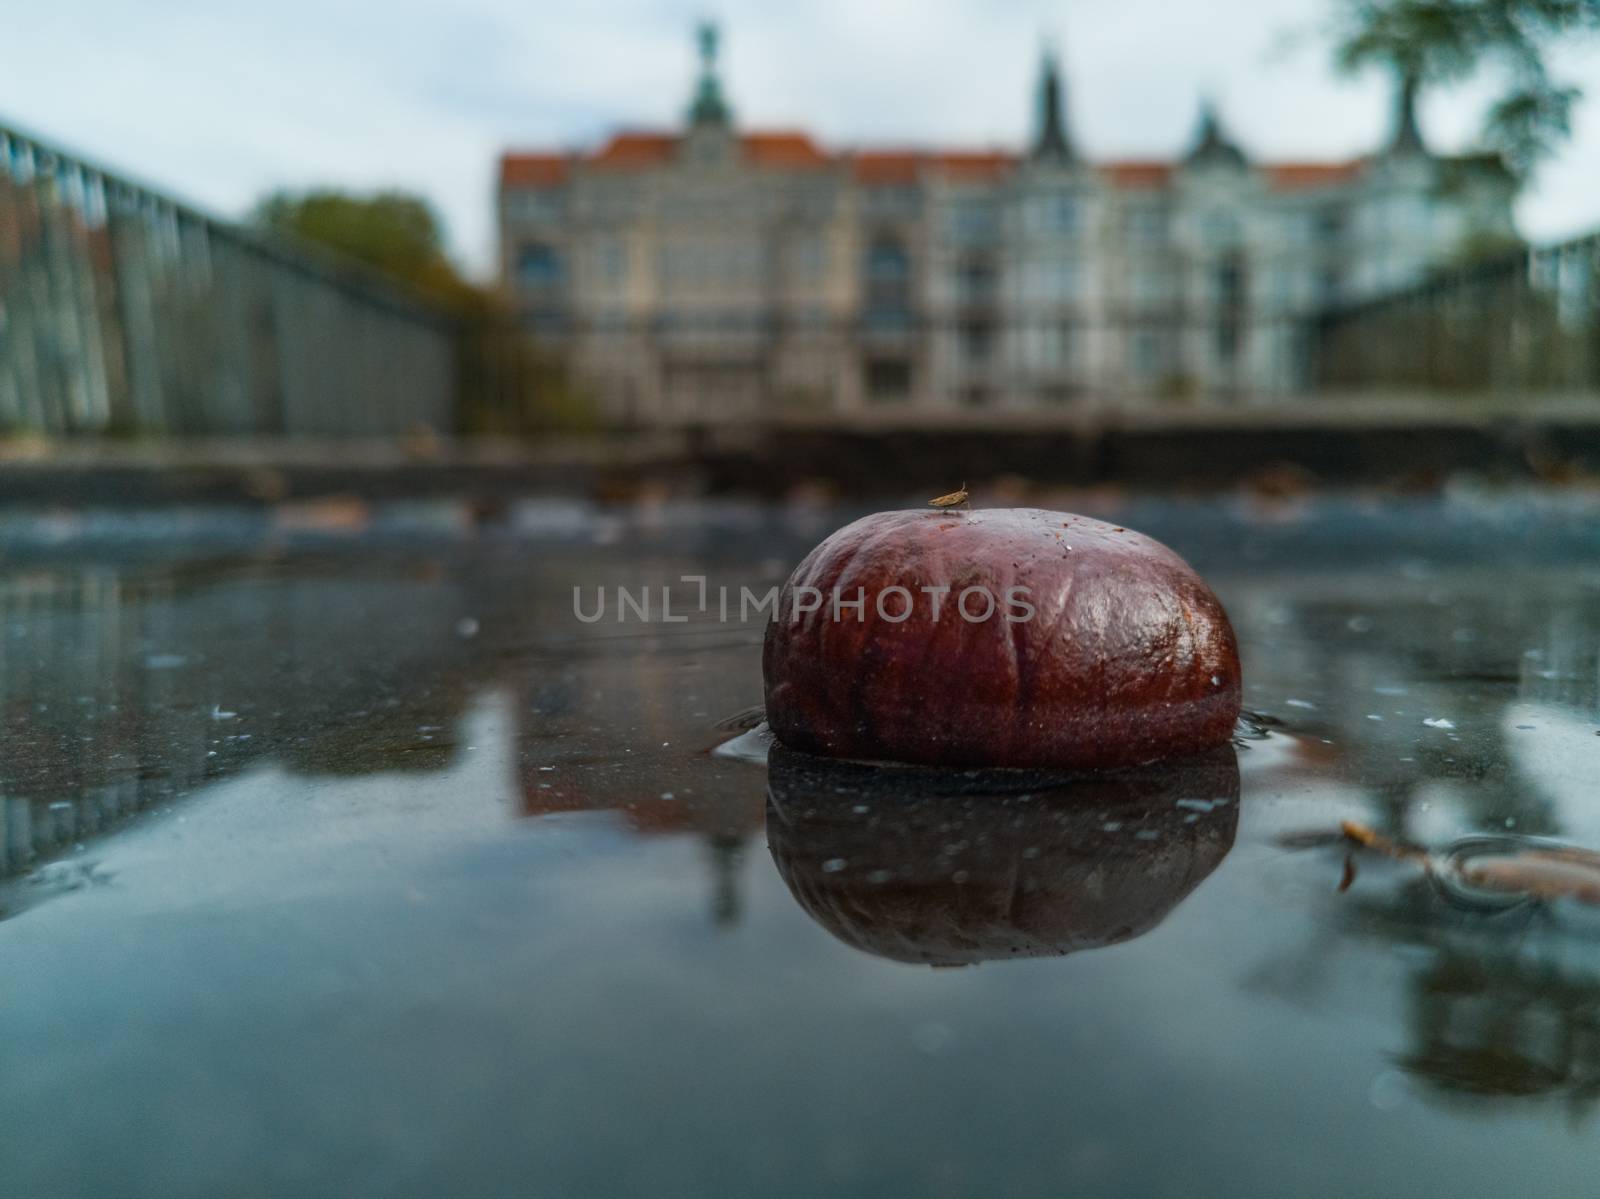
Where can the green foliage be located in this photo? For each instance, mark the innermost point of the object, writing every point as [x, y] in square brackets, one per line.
[393, 232]
[507, 385]
[1434, 42]
[1482, 247]
[511, 386]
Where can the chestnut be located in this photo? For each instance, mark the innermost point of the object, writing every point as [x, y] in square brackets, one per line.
[999, 637]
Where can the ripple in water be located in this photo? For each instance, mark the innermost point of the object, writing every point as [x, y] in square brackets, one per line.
[1254, 726]
[1498, 872]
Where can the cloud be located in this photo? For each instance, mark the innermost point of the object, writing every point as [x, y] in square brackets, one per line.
[220, 101]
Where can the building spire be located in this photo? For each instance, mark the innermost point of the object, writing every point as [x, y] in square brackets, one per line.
[1406, 136]
[1212, 146]
[1051, 143]
[708, 108]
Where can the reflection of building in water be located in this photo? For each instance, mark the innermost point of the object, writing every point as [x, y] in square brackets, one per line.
[714, 272]
[655, 784]
[1363, 672]
[134, 687]
[1501, 1004]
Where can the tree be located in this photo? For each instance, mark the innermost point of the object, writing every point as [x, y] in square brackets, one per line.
[1434, 42]
[393, 232]
[507, 385]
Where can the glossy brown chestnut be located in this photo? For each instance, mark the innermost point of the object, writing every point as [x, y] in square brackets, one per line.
[1097, 647]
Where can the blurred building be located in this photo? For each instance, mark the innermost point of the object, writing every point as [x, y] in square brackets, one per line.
[714, 273]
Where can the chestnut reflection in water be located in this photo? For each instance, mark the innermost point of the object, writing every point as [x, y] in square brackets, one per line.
[949, 868]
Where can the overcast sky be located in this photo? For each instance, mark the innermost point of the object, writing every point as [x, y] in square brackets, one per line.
[219, 100]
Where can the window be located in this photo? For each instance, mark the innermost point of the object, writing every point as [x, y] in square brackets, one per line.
[809, 257]
[536, 207]
[611, 202]
[1227, 282]
[1227, 341]
[611, 260]
[888, 379]
[977, 339]
[547, 321]
[887, 259]
[894, 201]
[1409, 216]
[813, 203]
[973, 219]
[1047, 347]
[1146, 224]
[1051, 280]
[539, 265]
[1219, 227]
[888, 321]
[1151, 285]
[1146, 354]
[887, 268]
[975, 281]
[703, 261]
[1051, 213]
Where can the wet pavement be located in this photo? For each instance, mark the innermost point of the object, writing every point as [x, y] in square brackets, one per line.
[340, 856]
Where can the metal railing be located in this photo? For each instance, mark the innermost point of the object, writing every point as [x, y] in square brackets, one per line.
[124, 312]
[1512, 327]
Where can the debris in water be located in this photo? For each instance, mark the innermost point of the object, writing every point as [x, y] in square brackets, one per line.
[1512, 867]
[1369, 838]
[1438, 722]
[1349, 873]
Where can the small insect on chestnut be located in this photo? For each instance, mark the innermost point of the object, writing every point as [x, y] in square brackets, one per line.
[955, 499]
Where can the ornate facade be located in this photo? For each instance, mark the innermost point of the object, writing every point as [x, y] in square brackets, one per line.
[714, 273]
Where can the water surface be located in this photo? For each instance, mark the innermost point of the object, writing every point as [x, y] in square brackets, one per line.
[341, 857]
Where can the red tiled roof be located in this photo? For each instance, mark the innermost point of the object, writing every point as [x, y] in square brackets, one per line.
[1302, 176]
[533, 170]
[795, 150]
[973, 165]
[886, 167]
[635, 150]
[784, 149]
[1137, 173]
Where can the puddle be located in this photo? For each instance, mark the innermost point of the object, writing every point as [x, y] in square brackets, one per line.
[353, 877]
